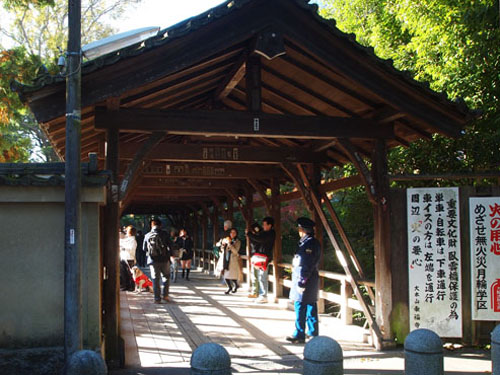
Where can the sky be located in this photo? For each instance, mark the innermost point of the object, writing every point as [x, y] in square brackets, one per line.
[163, 13]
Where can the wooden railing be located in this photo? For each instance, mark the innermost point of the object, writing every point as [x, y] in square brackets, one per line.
[205, 259]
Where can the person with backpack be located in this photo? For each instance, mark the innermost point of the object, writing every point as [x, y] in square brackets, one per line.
[157, 248]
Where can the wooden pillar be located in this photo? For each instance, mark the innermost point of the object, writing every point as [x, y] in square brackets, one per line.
[249, 221]
[204, 236]
[111, 303]
[194, 226]
[277, 251]
[216, 236]
[382, 243]
[315, 178]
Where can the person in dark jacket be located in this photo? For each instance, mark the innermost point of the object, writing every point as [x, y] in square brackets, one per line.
[159, 265]
[185, 244]
[139, 254]
[305, 282]
[262, 245]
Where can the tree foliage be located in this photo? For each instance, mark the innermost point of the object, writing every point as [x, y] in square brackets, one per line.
[37, 30]
[452, 44]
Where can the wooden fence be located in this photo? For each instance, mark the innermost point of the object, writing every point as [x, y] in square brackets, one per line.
[206, 260]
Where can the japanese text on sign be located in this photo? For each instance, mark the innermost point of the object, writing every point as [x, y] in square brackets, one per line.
[485, 257]
[434, 260]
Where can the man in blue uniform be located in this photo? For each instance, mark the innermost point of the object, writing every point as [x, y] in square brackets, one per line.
[305, 282]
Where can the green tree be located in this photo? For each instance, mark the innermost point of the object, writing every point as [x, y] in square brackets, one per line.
[37, 29]
[452, 44]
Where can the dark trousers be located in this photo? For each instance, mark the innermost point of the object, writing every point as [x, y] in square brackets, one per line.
[306, 314]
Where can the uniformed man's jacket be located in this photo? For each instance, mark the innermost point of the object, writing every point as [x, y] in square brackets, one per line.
[305, 271]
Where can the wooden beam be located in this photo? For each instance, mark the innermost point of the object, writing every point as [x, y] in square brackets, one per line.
[404, 96]
[240, 124]
[294, 174]
[360, 165]
[261, 191]
[138, 162]
[347, 243]
[209, 153]
[233, 77]
[343, 260]
[211, 171]
[253, 79]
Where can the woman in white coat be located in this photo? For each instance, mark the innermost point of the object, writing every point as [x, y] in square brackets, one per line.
[231, 247]
[128, 244]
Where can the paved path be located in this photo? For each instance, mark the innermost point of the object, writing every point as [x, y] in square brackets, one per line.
[159, 339]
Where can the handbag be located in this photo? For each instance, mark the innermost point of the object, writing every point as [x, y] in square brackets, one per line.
[259, 260]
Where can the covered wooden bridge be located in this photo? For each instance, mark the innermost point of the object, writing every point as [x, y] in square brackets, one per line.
[214, 114]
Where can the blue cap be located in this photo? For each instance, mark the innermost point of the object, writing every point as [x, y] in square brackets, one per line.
[306, 223]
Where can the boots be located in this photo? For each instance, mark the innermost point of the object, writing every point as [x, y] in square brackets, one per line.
[187, 274]
[183, 273]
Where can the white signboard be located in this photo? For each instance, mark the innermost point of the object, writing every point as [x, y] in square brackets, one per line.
[485, 257]
[435, 298]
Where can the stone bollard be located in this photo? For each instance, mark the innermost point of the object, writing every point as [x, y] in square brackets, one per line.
[86, 362]
[323, 356]
[423, 353]
[495, 351]
[210, 359]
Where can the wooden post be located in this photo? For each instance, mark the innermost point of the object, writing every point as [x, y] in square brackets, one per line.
[72, 189]
[254, 85]
[382, 243]
[111, 262]
[277, 250]
[195, 237]
[216, 236]
[204, 232]
[315, 173]
[249, 220]
[345, 293]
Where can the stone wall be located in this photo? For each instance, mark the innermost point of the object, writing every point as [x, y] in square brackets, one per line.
[32, 276]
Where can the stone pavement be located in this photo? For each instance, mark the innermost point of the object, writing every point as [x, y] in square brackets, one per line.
[159, 339]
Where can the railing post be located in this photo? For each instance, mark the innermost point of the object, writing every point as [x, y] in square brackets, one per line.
[323, 356]
[86, 362]
[423, 353]
[210, 359]
[345, 311]
[495, 351]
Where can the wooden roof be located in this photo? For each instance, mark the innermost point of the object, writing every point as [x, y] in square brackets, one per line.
[316, 86]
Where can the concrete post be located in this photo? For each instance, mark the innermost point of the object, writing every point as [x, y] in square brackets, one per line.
[86, 362]
[495, 351]
[423, 353]
[210, 359]
[323, 356]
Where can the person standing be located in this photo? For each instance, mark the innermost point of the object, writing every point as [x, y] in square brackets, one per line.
[231, 265]
[157, 247]
[262, 243]
[185, 244]
[140, 256]
[305, 282]
[128, 245]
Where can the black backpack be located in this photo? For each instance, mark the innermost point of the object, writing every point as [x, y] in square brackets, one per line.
[156, 247]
